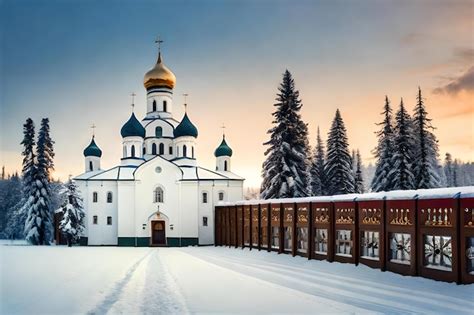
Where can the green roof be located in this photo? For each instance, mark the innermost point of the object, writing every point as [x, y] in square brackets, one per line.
[185, 128]
[223, 149]
[132, 128]
[92, 149]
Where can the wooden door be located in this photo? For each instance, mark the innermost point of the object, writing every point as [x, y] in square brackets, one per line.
[158, 235]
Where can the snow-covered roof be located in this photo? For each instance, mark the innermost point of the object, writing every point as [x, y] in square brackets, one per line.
[435, 193]
[115, 173]
[200, 173]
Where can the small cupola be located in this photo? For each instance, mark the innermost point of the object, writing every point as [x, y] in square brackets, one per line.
[132, 128]
[223, 149]
[92, 149]
[185, 128]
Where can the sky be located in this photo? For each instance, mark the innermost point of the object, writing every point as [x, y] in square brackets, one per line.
[77, 62]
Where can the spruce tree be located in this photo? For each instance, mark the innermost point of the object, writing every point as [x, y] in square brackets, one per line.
[338, 167]
[402, 156]
[449, 170]
[72, 224]
[425, 163]
[456, 173]
[383, 152]
[285, 171]
[359, 181]
[318, 176]
[45, 149]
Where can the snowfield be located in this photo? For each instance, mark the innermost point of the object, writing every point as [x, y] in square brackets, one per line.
[120, 280]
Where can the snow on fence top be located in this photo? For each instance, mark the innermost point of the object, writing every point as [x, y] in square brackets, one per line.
[435, 193]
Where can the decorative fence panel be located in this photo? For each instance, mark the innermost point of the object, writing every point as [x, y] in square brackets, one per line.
[428, 233]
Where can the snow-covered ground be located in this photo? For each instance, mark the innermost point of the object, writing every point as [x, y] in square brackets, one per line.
[97, 280]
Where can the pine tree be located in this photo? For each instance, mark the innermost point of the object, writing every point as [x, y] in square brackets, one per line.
[449, 170]
[3, 172]
[402, 155]
[383, 152]
[456, 173]
[45, 149]
[285, 171]
[318, 176]
[359, 181]
[425, 163]
[338, 167]
[72, 224]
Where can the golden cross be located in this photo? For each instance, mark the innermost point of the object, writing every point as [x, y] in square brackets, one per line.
[159, 41]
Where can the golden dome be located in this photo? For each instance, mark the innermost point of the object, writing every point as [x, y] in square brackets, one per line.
[159, 76]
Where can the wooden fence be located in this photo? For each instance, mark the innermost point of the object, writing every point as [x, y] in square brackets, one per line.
[427, 233]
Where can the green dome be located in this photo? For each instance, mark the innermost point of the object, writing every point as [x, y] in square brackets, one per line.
[185, 128]
[92, 149]
[132, 128]
[223, 149]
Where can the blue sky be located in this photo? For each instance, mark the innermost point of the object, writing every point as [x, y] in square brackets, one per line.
[77, 62]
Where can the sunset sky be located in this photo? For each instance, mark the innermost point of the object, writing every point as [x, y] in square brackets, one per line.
[77, 62]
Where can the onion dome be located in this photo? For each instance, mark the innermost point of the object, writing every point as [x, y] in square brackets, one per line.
[223, 149]
[159, 76]
[132, 128]
[92, 149]
[185, 128]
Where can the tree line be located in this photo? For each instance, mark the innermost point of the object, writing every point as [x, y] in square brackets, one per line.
[30, 201]
[406, 153]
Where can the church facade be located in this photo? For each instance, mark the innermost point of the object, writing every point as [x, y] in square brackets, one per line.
[158, 195]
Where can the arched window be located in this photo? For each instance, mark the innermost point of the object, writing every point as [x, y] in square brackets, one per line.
[158, 195]
[225, 166]
[144, 151]
[185, 151]
[124, 151]
[192, 152]
[95, 196]
[133, 151]
[91, 168]
[165, 106]
[170, 150]
[158, 132]
[109, 197]
[154, 105]
[177, 151]
[162, 149]
[221, 196]
[153, 149]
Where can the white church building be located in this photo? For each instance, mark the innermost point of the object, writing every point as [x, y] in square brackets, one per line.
[158, 195]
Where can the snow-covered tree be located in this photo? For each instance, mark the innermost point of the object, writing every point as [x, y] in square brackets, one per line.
[45, 149]
[425, 162]
[359, 180]
[318, 176]
[285, 171]
[402, 155]
[338, 167]
[10, 197]
[39, 218]
[72, 211]
[383, 152]
[449, 170]
[456, 174]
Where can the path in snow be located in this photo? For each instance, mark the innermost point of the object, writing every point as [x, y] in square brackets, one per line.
[114, 280]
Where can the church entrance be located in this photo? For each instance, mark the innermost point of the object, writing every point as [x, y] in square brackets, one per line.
[158, 235]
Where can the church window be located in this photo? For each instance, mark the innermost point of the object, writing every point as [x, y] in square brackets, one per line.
[165, 106]
[162, 149]
[109, 197]
[192, 152]
[158, 195]
[154, 105]
[204, 221]
[177, 151]
[133, 151]
[185, 151]
[124, 151]
[91, 168]
[94, 220]
[144, 151]
[95, 196]
[221, 196]
[204, 197]
[153, 149]
[109, 220]
[225, 166]
[170, 150]
[159, 132]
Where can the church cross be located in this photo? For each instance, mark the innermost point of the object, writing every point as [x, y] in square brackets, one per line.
[159, 41]
[93, 130]
[133, 101]
[185, 101]
[223, 130]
